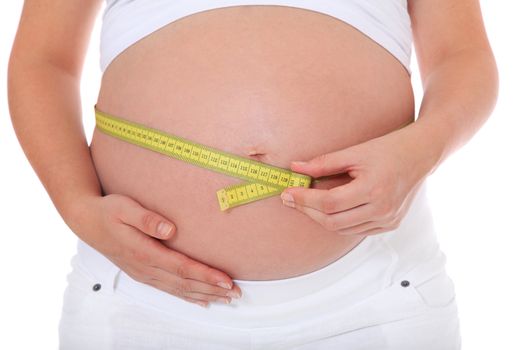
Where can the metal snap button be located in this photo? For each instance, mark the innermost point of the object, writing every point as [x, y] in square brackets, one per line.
[405, 283]
[96, 287]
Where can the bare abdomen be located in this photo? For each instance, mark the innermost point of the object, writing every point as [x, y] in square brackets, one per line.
[281, 82]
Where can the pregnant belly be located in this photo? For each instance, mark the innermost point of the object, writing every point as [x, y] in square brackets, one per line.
[271, 83]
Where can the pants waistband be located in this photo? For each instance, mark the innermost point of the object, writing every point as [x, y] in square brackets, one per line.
[377, 262]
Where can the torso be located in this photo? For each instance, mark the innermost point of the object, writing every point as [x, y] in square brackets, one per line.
[286, 83]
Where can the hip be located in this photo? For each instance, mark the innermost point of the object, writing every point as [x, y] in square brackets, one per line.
[387, 283]
[417, 315]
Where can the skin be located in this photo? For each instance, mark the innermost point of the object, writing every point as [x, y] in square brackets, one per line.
[306, 91]
[460, 81]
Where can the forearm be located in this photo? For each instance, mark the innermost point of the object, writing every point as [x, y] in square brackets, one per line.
[459, 96]
[45, 108]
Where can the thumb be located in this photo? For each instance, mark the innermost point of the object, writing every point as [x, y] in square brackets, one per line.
[325, 164]
[147, 221]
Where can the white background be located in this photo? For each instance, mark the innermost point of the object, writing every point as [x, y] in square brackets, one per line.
[477, 197]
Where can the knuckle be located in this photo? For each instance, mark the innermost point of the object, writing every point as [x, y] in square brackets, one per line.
[183, 286]
[182, 270]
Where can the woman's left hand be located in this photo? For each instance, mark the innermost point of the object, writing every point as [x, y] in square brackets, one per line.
[386, 173]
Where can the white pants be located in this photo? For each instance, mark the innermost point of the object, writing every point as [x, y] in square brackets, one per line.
[384, 294]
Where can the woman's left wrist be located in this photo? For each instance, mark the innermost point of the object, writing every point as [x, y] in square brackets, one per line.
[425, 146]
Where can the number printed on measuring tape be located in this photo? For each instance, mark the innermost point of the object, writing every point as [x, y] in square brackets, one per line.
[261, 180]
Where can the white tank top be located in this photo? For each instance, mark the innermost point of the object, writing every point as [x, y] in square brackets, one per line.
[126, 21]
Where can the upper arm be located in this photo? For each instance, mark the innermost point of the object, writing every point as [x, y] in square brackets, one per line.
[56, 32]
[442, 28]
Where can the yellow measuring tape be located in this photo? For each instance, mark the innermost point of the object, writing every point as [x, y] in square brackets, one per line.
[262, 180]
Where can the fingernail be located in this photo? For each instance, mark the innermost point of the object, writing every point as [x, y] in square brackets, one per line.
[203, 304]
[224, 285]
[164, 229]
[286, 197]
[225, 300]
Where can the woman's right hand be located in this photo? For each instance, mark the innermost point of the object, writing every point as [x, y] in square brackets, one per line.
[128, 235]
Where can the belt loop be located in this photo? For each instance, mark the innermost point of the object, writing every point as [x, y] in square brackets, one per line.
[110, 279]
[115, 280]
[394, 256]
[103, 271]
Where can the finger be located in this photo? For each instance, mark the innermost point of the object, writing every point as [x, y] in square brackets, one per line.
[181, 265]
[333, 200]
[197, 301]
[193, 286]
[373, 231]
[160, 286]
[366, 228]
[147, 221]
[191, 294]
[196, 295]
[153, 253]
[326, 164]
[351, 218]
[339, 221]
[149, 275]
